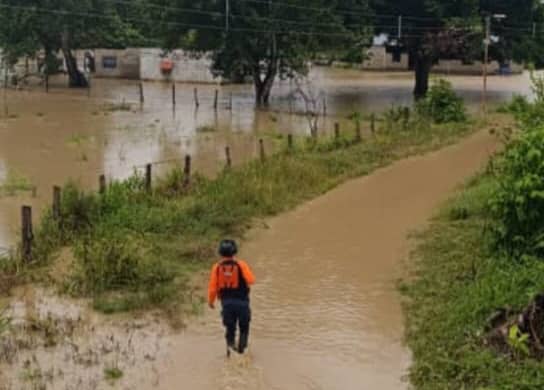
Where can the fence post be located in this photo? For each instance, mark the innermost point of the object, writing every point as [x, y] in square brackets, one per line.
[261, 150]
[174, 94]
[195, 93]
[187, 172]
[56, 203]
[27, 235]
[373, 123]
[228, 157]
[148, 177]
[336, 130]
[102, 184]
[141, 93]
[290, 142]
[216, 97]
[358, 136]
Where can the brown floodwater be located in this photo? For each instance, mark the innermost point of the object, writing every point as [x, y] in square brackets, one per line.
[326, 314]
[47, 139]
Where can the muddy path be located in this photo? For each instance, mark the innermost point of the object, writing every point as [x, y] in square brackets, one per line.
[326, 311]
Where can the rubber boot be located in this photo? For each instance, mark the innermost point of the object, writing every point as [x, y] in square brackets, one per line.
[242, 344]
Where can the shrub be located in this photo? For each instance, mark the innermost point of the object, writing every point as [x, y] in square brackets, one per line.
[518, 202]
[441, 104]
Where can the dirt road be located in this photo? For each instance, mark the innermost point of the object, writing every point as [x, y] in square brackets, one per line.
[326, 311]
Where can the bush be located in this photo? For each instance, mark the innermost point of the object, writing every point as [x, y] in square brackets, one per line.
[518, 202]
[441, 104]
[116, 260]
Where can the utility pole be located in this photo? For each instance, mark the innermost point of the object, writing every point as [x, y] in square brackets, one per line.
[227, 12]
[487, 42]
[400, 28]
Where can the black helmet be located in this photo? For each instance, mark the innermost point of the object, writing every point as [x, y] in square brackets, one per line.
[228, 248]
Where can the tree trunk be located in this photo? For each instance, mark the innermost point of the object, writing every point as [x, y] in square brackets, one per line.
[422, 67]
[263, 88]
[77, 78]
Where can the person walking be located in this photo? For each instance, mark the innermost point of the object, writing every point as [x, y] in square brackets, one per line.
[230, 281]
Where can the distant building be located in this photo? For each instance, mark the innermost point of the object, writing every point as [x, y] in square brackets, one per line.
[155, 65]
[381, 59]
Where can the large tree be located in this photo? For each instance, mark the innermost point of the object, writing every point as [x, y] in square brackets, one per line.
[434, 29]
[64, 25]
[265, 39]
[428, 30]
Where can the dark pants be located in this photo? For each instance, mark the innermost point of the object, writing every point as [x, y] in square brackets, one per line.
[236, 314]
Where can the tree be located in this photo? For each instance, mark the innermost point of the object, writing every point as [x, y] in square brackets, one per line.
[455, 29]
[62, 26]
[429, 30]
[267, 39]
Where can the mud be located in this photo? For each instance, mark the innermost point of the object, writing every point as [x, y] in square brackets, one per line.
[48, 139]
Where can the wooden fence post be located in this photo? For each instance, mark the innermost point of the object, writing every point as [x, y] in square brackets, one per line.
[27, 235]
[102, 184]
[141, 93]
[56, 203]
[324, 106]
[174, 94]
[358, 136]
[187, 172]
[290, 142]
[373, 123]
[215, 99]
[195, 93]
[336, 130]
[148, 174]
[261, 150]
[228, 158]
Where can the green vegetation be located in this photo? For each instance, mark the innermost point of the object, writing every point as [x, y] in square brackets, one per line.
[15, 183]
[475, 307]
[130, 248]
[113, 373]
[442, 104]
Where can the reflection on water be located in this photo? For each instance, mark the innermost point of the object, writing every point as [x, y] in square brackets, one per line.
[50, 138]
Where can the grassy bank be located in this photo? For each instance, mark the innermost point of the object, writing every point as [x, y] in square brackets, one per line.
[460, 284]
[129, 248]
[475, 303]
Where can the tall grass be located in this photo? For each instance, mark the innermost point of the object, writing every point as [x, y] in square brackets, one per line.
[134, 249]
[460, 282]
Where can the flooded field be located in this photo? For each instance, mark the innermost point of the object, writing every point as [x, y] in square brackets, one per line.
[47, 139]
[326, 313]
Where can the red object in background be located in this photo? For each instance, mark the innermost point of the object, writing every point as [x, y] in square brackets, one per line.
[167, 65]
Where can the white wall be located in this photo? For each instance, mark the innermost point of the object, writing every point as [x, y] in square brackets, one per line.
[187, 67]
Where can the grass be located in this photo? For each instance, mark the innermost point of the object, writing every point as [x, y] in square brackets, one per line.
[15, 183]
[133, 249]
[113, 373]
[458, 283]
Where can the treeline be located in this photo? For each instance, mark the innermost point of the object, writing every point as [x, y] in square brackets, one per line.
[264, 40]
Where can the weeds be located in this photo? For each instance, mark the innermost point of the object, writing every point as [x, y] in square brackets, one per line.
[135, 249]
[459, 284]
[113, 373]
[15, 183]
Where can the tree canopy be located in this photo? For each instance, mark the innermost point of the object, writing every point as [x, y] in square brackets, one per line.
[267, 39]
[433, 29]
